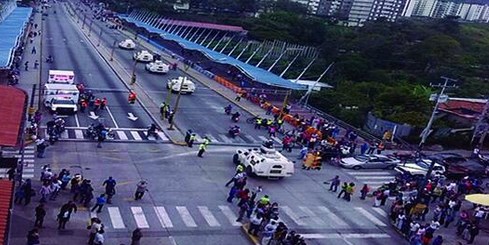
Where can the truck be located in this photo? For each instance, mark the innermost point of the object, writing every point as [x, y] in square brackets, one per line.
[264, 161]
[157, 67]
[143, 56]
[61, 98]
[61, 77]
[181, 83]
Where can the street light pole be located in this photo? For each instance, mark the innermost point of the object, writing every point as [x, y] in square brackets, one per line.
[100, 37]
[112, 51]
[90, 27]
[176, 103]
[83, 23]
[133, 73]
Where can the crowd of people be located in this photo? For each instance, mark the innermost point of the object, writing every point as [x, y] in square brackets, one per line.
[262, 214]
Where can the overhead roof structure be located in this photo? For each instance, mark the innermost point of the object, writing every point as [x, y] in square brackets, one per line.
[13, 102]
[11, 29]
[257, 74]
[205, 25]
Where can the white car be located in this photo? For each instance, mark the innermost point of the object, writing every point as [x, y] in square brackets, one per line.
[127, 44]
[62, 106]
[264, 161]
[157, 67]
[181, 83]
[143, 56]
[375, 161]
[420, 168]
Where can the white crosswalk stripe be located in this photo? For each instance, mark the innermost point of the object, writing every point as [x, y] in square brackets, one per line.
[208, 216]
[229, 215]
[135, 135]
[186, 217]
[163, 217]
[370, 216]
[79, 134]
[116, 218]
[138, 214]
[28, 161]
[288, 211]
[333, 217]
[122, 135]
[374, 179]
[311, 215]
[224, 138]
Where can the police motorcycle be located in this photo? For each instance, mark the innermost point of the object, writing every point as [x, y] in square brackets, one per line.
[234, 131]
[235, 117]
[228, 109]
[91, 133]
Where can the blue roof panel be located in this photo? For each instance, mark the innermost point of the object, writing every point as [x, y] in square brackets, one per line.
[11, 29]
[254, 72]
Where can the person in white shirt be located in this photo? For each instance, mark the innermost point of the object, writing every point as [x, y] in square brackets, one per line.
[99, 238]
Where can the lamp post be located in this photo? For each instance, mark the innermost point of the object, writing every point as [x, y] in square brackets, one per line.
[176, 103]
[112, 51]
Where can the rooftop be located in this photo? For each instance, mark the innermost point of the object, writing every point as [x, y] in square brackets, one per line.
[12, 28]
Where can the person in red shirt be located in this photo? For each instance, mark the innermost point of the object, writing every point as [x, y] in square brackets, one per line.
[132, 97]
[97, 104]
[103, 103]
[83, 105]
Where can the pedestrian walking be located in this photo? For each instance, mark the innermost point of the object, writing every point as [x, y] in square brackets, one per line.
[255, 222]
[349, 191]
[109, 184]
[187, 135]
[33, 237]
[335, 182]
[171, 114]
[26, 66]
[44, 192]
[33, 51]
[103, 103]
[41, 148]
[95, 226]
[191, 140]
[40, 213]
[343, 189]
[35, 26]
[364, 191]
[102, 135]
[202, 148]
[97, 104]
[136, 236]
[36, 64]
[101, 200]
[11, 173]
[63, 218]
[141, 188]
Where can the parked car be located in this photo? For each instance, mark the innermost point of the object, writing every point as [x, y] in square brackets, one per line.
[420, 168]
[447, 158]
[467, 168]
[374, 161]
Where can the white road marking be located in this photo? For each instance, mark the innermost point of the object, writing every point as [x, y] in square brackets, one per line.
[334, 218]
[93, 215]
[344, 235]
[138, 214]
[263, 138]
[116, 218]
[162, 135]
[77, 121]
[111, 116]
[29, 147]
[186, 217]
[376, 177]
[78, 134]
[27, 170]
[198, 138]
[229, 215]
[293, 216]
[312, 216]
[208, 216]
[370, 216]
[136, 135]
[64, 135]
[121, 135]
[211, 138]
[366, 173]
[29, 151]
[381, 212]
[225, 138]
[25, 156]
[163, 217]
[28, 160]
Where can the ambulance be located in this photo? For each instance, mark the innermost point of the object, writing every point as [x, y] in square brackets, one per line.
[61, 77]
[61, 98]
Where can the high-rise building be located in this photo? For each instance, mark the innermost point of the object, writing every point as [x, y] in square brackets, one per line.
[471, 10]
[363, 10]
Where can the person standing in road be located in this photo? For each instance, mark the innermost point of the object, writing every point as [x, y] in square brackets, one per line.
[350, 189]
[33, 51]
[136, 236]
[335, 182]
[110, 184]
[103, 103]
[26, 66]
[187, 135]
[141, 188]
[63, 218]
[36, 64]
[101, 137]
[99, 237]
[202, 148]
[40, 214]
[95, 226]
[100, 203]
[364, 191]
[191, 140]
[343, 189]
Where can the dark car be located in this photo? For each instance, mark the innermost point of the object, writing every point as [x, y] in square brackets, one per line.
[467, 168]
[447, 158]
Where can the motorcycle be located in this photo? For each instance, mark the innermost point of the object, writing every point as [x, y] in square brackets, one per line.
[91, 133]
[53, 137]
[227, 110]
[234, 131]
[235, 118]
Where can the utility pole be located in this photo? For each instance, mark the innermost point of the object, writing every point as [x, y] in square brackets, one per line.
[176, 103]
[482, 126]
[439, 98]
[100, 37]
[112, 51]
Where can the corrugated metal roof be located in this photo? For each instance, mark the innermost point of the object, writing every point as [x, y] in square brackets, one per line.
[6, 189]
[12, 109]
[11, 29]
[257, 74]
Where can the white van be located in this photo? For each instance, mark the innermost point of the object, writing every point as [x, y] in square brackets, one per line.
[61, 76]
[61, 98]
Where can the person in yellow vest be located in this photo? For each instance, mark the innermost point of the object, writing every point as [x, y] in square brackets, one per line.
[258, 123]
[206, 141]
[202, 148]
[191, 140]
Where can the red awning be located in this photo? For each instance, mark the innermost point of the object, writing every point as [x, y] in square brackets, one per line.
[13, 102]
[6, 190]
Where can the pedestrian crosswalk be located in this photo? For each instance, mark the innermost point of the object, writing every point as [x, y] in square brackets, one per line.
[139, 134]
[374, 179]
[208, 217]
[29, 157]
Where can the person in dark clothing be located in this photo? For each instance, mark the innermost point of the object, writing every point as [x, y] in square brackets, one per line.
[473, 231]
[11, 173]
[40, 214]
[136, 236]
[343, 189]
[110, 184]
[33, 237]
[28, 192]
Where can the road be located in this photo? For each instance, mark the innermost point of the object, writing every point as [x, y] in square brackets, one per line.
[186, 202]
[202, 111]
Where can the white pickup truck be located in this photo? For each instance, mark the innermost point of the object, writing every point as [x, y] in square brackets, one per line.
[143, 56]
[157, 67]
[61, 98]
[264, 161]
[181, 83]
